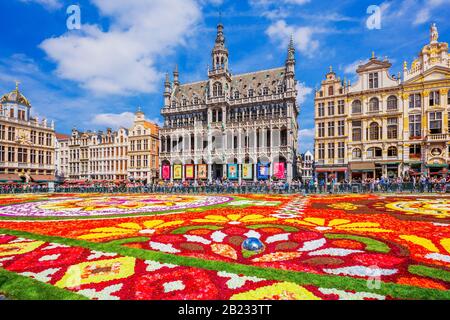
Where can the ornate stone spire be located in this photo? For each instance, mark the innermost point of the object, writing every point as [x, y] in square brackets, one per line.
[176, 80]
[291, 49]
[220, 52]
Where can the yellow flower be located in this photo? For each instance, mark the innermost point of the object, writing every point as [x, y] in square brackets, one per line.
[321, 224]
[277, 291]
[129, 228]
[437, 254]
[235, 219]
[344, 206]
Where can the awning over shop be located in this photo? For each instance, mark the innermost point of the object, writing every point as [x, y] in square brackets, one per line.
[437, 165]
[332, 169]
[362, 166]
[43, 178]
[10, 177]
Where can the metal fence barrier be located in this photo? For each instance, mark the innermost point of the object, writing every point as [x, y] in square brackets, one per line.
[406, 187]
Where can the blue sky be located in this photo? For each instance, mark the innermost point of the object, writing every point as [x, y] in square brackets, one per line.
[96, 77]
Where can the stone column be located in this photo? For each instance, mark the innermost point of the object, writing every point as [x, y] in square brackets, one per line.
[289, 172]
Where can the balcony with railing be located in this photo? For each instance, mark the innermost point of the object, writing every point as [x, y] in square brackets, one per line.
[437, 137]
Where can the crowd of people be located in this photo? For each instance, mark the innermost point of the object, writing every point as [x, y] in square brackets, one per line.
[22, 188]
[418, 184]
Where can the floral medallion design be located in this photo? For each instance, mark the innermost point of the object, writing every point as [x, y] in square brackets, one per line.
[110, 205]
[437, 208]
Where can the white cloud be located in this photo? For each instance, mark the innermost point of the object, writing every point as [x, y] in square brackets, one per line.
[266, 3]
[424, 13]
[114, 120]
[306, 139]
[413, 11]
[117, 120]
[303, 92]
[122, 60]
[351, 68]
[49, 4]
[303, 36]
[306, 133]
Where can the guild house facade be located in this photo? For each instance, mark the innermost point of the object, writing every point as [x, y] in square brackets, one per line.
[27, 145]
[386, 125]
[241, 127]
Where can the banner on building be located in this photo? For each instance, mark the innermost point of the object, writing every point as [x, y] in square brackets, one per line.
[202, 171]
[166, 172]
[279, 170]
[263, 171]
[189, 171]
[247, 171]
[177, 172]
[232, 171]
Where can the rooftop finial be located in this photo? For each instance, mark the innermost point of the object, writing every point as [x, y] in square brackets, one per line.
[17, 85]
[373, 54]
[331, 69]
[434, 34]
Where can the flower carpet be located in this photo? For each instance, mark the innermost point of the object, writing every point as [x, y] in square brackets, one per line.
[162, 247]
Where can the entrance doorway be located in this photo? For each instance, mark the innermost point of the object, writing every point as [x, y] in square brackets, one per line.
[217, 171]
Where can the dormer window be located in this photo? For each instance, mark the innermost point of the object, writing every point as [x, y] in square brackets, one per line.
[250, 93]
[236, 94]
[184, 102]
[373, 80]
[195, 100]
[174, 104]
[280, 89]
[265, 91]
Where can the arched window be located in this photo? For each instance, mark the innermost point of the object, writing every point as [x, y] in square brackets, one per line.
[217, 89]
[356, 153]
[174, 103]
[392, 103]
[265, 91]
[356, 106]
[195, 100]
[374, 152]
[184, 102]
[250, 93]
[374, 131]
[374, 105]
[392, 152]
[236, 94]
[280, 89]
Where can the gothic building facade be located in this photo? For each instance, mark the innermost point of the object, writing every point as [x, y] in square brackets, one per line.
[241, 127]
